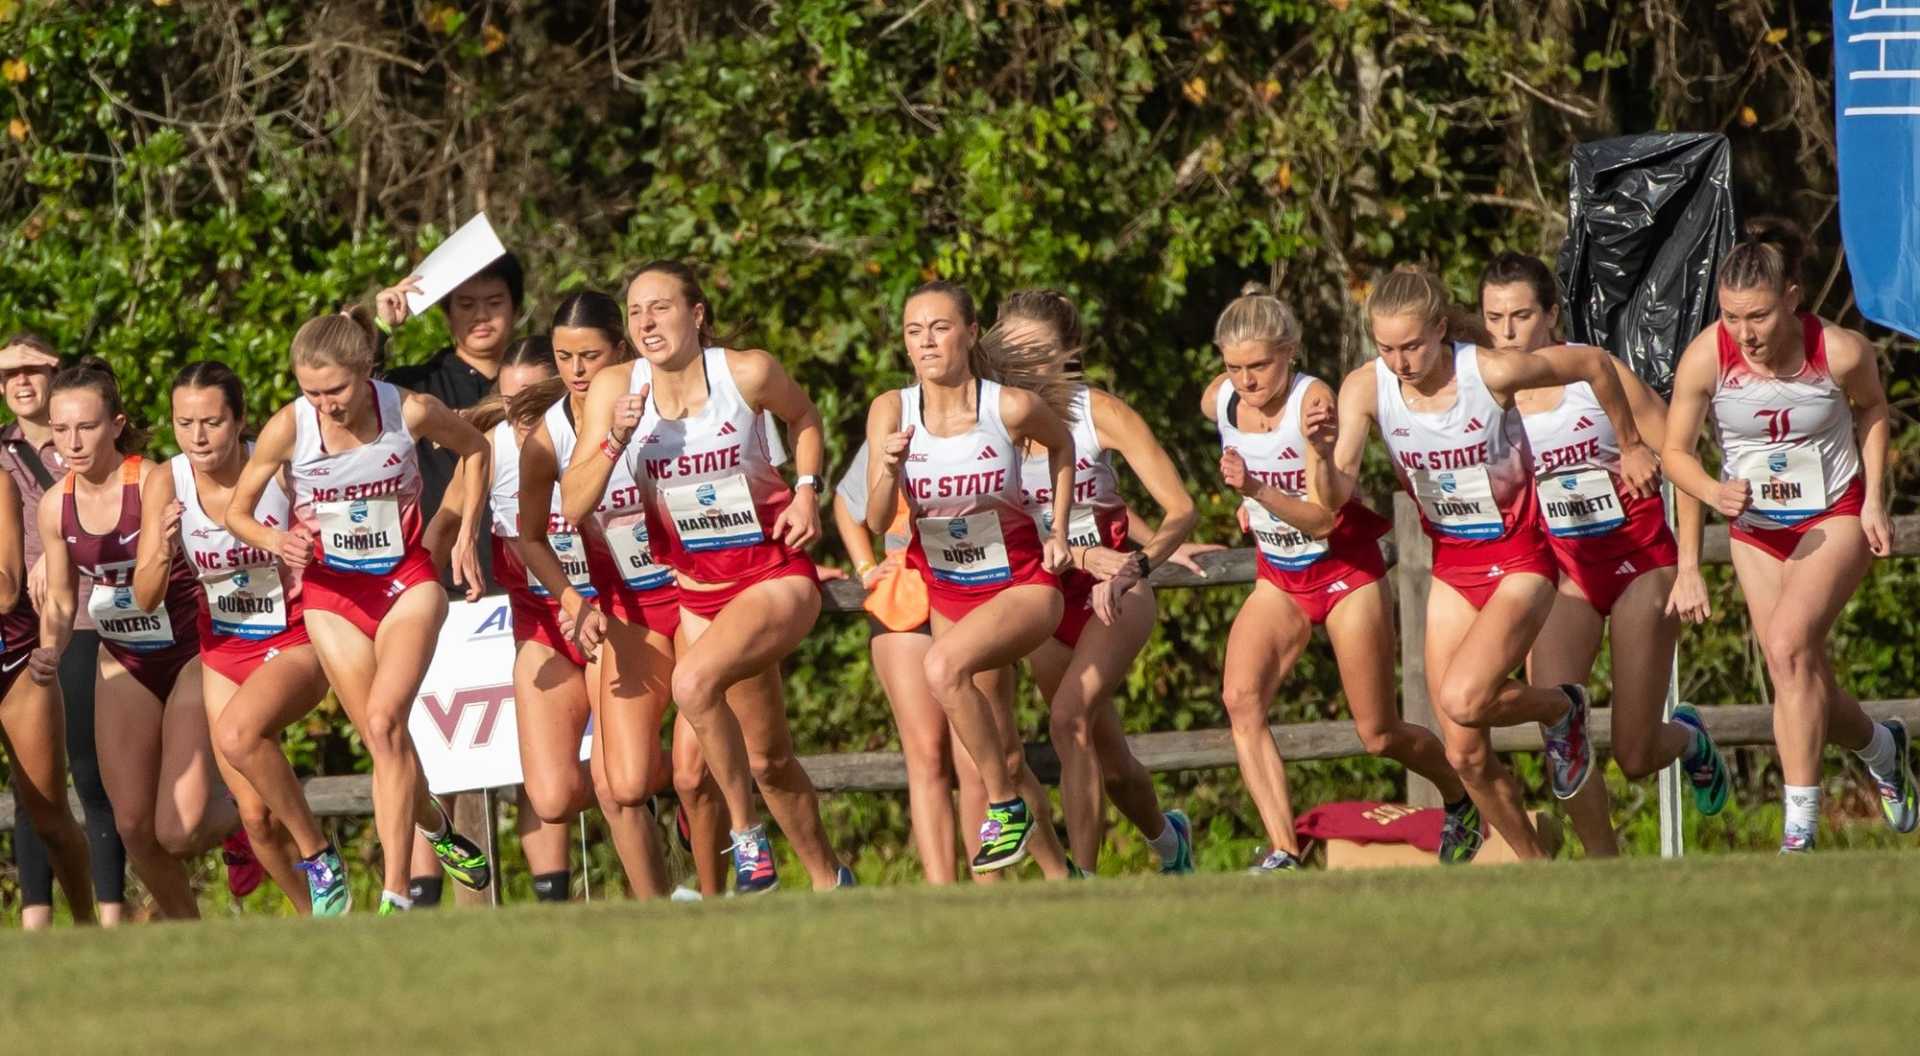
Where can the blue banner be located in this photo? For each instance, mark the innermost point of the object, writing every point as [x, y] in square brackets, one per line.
[1877, 115]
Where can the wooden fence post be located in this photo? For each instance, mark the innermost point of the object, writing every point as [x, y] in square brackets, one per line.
[473, 818]
[1412, 575]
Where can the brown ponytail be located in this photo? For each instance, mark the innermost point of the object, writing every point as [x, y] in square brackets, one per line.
[1040, 367]
[93, 374]
[1411, 290]
[1770, 256]
[342, 339]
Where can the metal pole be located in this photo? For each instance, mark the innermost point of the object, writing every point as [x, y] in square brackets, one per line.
[586, 871]
[1672, 838]
[493, 845]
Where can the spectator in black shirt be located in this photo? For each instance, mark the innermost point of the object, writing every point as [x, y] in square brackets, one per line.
[482, 313]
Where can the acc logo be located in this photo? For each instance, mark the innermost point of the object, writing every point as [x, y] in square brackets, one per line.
[357, 511]
[1777, 462]
[958, 528]
[705, 495]
[1447, 483]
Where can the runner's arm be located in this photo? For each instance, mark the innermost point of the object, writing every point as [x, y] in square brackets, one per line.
[1856, 366]
[1121, 429]
[767, 387]
[429, 419]
[56, 616]
[1356, 409]
[1506, 373]
[887, 449]
[1686, 417]
[1028, 419]
[539, 468]
[271, 452]
[153, 561]
[13, 548]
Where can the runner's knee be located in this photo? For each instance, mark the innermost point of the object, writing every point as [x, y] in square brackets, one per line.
[1246, 707]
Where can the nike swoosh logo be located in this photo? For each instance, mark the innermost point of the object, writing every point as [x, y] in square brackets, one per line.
[125, 539]
[8, 667]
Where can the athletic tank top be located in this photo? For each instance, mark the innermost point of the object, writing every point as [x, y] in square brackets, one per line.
[362, 504]
[713, 492]
[620, 520]
[108, 560]
[1277, 457]
[1792, 438]
[1099, 516]
[1576, 465]
[562, 537]
[971, 528]
[248, 593]
[1468, 467]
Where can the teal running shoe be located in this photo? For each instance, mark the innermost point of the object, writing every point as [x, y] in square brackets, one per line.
[327, 884]
[1702, 762]
[1181, 864]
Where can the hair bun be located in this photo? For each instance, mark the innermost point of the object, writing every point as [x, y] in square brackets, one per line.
[89, 361]
[1778, 231]
[1256, 289]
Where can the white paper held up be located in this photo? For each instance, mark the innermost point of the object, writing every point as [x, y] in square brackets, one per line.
[455, 261]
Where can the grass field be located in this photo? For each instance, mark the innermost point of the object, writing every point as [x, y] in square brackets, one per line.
[1744, 953]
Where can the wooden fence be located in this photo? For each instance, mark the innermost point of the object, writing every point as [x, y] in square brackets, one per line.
[1407, 548]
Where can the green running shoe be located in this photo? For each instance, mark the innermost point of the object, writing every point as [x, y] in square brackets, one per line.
[1004, 836]
[1181, 864]
[327, 884]
[388, 907]
[1897, 798]
[1707, 771]
[1461, 833]
[462, 858]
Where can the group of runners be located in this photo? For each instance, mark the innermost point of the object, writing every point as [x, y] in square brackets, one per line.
[624, 478]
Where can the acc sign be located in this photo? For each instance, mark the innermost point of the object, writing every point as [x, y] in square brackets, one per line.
[463, 720]
[1876, 81]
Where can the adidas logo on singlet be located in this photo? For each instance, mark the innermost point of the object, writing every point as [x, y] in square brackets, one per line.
[392, 460]
[1337, 586]
[1626, 569]
[271, 521]
[1494, 571]
[1584, 423]
[1289, 453]
[987, 454]
[727, 429]
[1474, 425]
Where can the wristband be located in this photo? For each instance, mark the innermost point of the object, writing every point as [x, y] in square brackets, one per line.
[382, 325]
[610, 449]
[1139, 560]
[861, 568]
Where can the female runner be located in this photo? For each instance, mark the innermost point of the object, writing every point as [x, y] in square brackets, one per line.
[1081, 665]
[373, 601]
[685, 420]
[156, 757]
[32, 726]
[256, 661]
[1802, 422]
[1622, 574]
[951, 444]
[1443, 402]
[636, 612]
[1319, 565]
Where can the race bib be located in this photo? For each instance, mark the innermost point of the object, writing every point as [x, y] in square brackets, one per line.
[120, 622]
[634, 555]
[1083, 526]
[966, 551]
[1281, 544]
[360, 535]
[1789, 486]
[247, 603]
[572, 552]
[1581, 504]
[1458, 502]
[714, 514]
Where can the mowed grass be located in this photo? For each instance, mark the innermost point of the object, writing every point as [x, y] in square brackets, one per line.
[1744, 954]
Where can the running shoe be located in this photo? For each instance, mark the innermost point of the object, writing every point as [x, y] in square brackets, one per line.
[1897, 798]
[244, 871]
[388, 907]
[1181, 864]
[753, 870]
[1569, 752]
[1792, 842]
[685, 893]
[1277, 862]
[843, 878]
[1461, 833]
[1074, 872]
[327, 884]
[1004, 836]
[462, 858]
[1709, 772]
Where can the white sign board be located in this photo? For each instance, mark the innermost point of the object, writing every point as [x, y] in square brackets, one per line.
[456, 260]
[463, 719]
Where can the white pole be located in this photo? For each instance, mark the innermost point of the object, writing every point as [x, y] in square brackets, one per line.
[586, 873]
[493, 845]
[1672, 841]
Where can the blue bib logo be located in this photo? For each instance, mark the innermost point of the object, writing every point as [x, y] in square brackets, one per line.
[957, 527]
[1446, 483]
[705, 494]
[122, 598]
[639, 531]
[561, 543]
[1568, 484]
[357, 512]
[1777, 462]
[241, 579]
